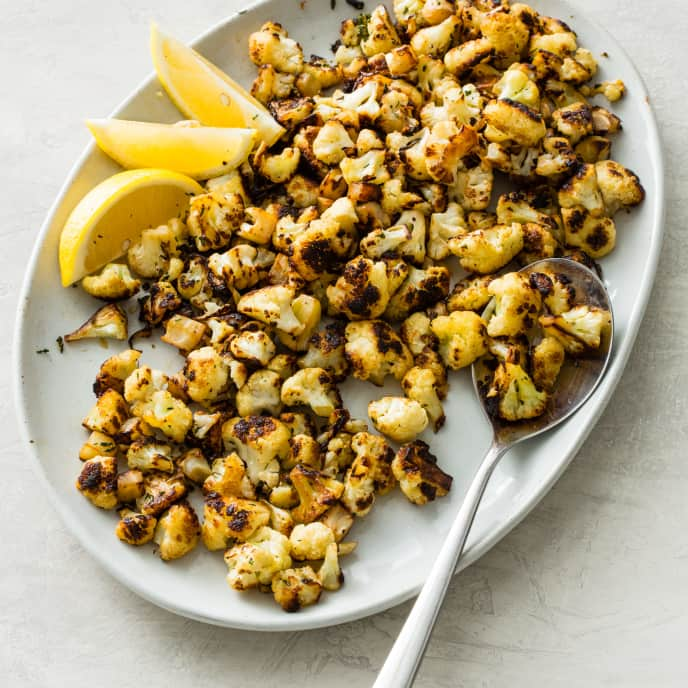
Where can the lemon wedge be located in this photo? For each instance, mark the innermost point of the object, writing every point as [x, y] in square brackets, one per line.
[204, 92]
[199, 152]
[113, 214]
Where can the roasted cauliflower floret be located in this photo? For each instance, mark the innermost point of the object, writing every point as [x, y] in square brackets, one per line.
[385, 242]
[147, 455]
[399, 418]
[374, 351]
[516, 305]
[303, 449]
[150, 255]
[260, 394]
[177, 532]
[332, 143]
[595, 234]
[470, 293]
[98, 481]
[183, 333]
[445, 147]
[194, 466]
[296, 588]
[420, 478]
[487, 250]
[362, 291]
[253, 345]
[312, 387]
[278, 167]
[620, 187]
[464, 57]
[258, 560]
[261, 442]
[165, 413]
[114, 283]
[316, 491]
[160, 491]
[579, 330]
[272, 45]
[108, 322]
[547, 359]
[381, 36]
[369, 168]
[420, 385]
[339, 520]
[326, 350]
[310, 540]
[582, 190]
[115, 370]
[108, 414]
[242, 266]
[206, 375]
[228, 518]
[509, 120]
[270, 84]
[573, 121]
[435, 40]
[421, 289]
[135, 529]
[98, 444]
[273, 306]
[514, 395]
[450, 224]
[370, 473]
[307, 310]
[461, 336]
[320, 248]
[228, 478]
[213, 218]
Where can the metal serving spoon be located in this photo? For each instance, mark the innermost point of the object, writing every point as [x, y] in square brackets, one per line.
[577, 381]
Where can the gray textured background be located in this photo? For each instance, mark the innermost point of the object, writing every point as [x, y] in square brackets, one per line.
[590, 590]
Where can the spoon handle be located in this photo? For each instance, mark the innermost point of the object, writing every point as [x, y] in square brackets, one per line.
[403, 661]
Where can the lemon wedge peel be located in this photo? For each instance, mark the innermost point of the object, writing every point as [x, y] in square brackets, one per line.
[114, 213]
[197, 151]
[202, 91]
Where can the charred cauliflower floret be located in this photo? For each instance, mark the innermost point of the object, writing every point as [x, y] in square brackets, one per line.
[242, 266]
[445, 147]
[278, 167]
[464, 57]
[326, 350]
[509, 120]
[296, 588]
[271, 84]
[206, 375]
[421, 289]
[374, 350]
[573, 121]
[108, 414]
[514, 394]
[230, 518]
[321, 247]
[369, 168]
[183, 333]
[260, 394]
[253, 346]
[461, 336]
[261, 442]
[420, 385]
[470, 293]
[420, 478]
[303, 449]
[213, 218]
[108, 322]
[98, 481]
[316, 491]
[150, 255]
[487, 250]
[258, 560]
[310, 540]
[312, 387]
[385, 242]
[98, 444]
[398, 418]
[369, 474]
[272, 45]
[547, 359]
[114, 283]
[593, 233]
[582, 191]
[332, 143]
[160, 491]
[177, 532]
[147, 455]
[362, 291]
[380, 34]
[272, 306]
[115, 370]
[435, 40]
[579, 330]
[135, 529]
[620, 187]
[516, 305]
[228, 478]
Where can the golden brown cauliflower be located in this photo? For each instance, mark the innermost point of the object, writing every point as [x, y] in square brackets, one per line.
[177, 532]
[400, 418]
[461, 336]
[420, 478]
[296, 588]
[98, 481]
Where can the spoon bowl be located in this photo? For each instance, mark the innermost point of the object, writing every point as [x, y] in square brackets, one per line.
[578, 377]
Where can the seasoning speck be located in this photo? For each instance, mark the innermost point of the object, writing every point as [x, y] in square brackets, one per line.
[60, 344]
